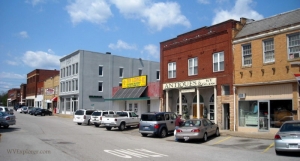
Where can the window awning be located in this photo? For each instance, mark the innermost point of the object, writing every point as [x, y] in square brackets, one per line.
[54, 99]
[129, 94]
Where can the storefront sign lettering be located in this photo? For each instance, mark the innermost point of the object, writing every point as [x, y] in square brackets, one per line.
[193, 83]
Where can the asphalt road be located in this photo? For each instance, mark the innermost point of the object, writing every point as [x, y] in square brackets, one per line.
[38, 138]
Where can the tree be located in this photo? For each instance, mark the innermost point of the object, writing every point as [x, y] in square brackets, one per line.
[3, 98]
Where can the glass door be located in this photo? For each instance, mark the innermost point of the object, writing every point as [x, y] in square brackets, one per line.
[264, 115]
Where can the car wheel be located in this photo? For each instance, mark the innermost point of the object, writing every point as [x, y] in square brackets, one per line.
[122, 127]
[43, 114]
[163, 133]
[205, 137]
[96, 125]
[78, 123]
[34, 114]
[108, 128]
[144, 135]
[217, 132]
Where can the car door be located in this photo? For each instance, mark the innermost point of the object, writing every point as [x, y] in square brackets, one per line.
[135, 118]
[211, 127]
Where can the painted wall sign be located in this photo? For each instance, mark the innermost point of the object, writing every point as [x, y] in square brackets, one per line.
[139, 81]
[192, 83]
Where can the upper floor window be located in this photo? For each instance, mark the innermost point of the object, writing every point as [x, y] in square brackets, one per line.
[61, 73]
[67, 72]
[158, 75]
[121, 73]
[247, 55]
[218, 61]
[73, 69]
[172, 70]
[76, 66]
[294, 46]
[193, 66]
[269, 51]
[140, 72]
[100, 70]
[225, 90]
[76, 84]
[100, 86]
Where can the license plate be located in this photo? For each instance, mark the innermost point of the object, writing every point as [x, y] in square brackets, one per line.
[146, 128]
[107, 124]
[293, 146]
[94, 119]
[78, 117]
[186, 138]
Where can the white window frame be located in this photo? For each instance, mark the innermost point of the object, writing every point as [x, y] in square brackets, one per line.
[101, 86]
[294, 44]
[193, 66]
[224, 92]
[245, 53]
[172, 70]
[219, 61]
[100, 66]
[269, 53]
[121, 72]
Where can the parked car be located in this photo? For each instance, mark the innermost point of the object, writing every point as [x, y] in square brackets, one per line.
[121, 120]
[96, 117]
[19, 110]
[42, 112]
[83, 116]
[7, 120]
[23, 109]
[196, 129]
[31, 111]
[26, 110]
[287, 139]
[16, 107]
[4, 109]
[157, 123]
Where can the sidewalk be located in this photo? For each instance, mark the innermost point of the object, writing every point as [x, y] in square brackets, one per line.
[256, 135]
[63, 115]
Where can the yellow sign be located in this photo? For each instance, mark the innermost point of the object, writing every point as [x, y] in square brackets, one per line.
[139, 81]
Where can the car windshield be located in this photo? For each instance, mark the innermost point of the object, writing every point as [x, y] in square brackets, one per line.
[3, 114]
[79, 112]
[96, 114]
[290, 127]
[192, 123]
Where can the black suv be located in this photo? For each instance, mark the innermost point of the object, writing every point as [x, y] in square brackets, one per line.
[157, 123]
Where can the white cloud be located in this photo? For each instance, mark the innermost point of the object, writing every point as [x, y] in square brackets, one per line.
[156, 15]
[94, 11]
[241, 8]
[152, 50]
[41, 60]
[11, 62]
[23, 34]
[204, 1]
[122, 45]
[12, 75]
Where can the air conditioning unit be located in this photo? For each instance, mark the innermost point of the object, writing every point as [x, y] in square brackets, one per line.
[242, 95]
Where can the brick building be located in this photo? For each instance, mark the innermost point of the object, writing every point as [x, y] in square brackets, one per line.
[22, 93]
[13, 96]
[266, 57]
[51, 93]
[196, 73]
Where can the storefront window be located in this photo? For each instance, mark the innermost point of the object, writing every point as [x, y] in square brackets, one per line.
[248, 113]
[280, 111]
[68, 104]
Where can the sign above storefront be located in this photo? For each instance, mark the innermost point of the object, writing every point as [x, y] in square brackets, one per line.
[192, 83]
[139, 81]
[188, 90]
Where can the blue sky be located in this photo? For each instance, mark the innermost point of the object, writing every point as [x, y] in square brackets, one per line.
[35, 34]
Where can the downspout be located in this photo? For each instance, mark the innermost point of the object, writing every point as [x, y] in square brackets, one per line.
[234, 119]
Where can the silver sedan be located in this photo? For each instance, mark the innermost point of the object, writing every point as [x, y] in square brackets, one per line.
[6, 120]
[287, 139]
[197, 129]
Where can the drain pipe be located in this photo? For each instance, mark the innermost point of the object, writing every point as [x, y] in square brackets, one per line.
[233, 108]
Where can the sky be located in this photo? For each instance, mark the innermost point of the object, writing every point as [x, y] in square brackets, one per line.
[35, 34]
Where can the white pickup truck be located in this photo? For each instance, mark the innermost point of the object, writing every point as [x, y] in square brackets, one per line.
[121, 120]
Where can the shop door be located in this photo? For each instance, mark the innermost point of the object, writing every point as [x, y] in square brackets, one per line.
[264, 115]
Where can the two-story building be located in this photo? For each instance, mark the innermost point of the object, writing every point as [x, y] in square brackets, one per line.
[13, 96]
[91, 80]
[266, 57]
[22, 94]
[196, 73]
[51, 93]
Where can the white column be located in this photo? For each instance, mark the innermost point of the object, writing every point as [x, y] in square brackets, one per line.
[167, 101]
[198, 103]
[215, 104]
[180, 102]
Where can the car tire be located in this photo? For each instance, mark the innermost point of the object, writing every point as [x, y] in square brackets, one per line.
[108, 128]
[144, 135]
[78, 123]
[34, 114]
[43, 114]
[122, 127]
[204, 137]
[163, 133]
[97, 125]
[217, 132]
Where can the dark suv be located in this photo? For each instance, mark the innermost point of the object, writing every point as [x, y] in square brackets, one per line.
[157, 123]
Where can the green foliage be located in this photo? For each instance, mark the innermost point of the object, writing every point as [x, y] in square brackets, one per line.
[3, 98]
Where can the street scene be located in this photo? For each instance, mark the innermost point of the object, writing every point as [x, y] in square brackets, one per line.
[57, 138]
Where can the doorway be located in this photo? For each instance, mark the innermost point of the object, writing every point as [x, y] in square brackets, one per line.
[264, 115]
[195, 111]
[226, 117]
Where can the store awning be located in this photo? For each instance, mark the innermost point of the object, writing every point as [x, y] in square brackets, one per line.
[129, 94]
[54, 99]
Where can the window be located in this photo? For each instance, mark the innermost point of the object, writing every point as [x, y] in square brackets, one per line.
[69, 70]
[121, 73]
[76, 66]
[64, 84]
[269, 51]
[67, 86]
[100, 86]
[70, 86]
[120, 84]
[73, 69]
[193, 66]
[61, 87]
[76, 84]
[294, 46]
[140, 72]
[225, 90]
[73, 85]
[218, 61]
[61, 73]
[247, 55]
[100, 70]
[172, 70]
[64, 72]
[158, 75]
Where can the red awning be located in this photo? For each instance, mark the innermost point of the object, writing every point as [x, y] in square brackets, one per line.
[54, 99]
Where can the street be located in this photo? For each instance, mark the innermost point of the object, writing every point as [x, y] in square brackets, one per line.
[37, 138]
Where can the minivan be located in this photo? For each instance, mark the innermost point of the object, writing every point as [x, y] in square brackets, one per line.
[83, 116]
